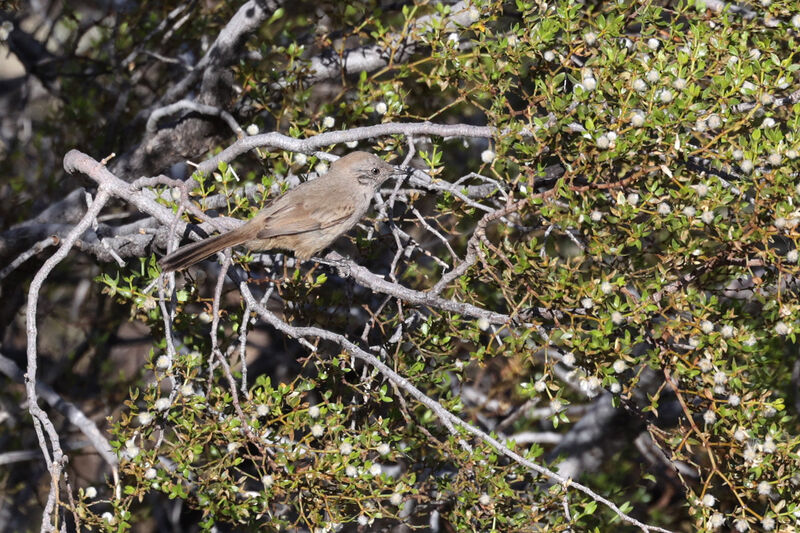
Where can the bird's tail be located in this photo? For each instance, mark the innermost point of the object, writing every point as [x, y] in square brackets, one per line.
[187, 255]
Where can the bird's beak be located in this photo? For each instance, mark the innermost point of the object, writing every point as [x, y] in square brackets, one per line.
[402, 172]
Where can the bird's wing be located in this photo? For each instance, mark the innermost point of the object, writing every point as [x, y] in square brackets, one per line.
[291, 219]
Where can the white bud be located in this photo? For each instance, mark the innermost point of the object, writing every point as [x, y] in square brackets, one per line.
[781, 328]
[162, 404]
[716, 521]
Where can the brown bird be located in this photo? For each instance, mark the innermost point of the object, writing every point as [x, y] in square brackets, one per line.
[304, 220]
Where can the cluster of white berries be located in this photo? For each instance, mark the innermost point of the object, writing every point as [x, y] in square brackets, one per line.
[590, 386]
[741, 525]
[588, 81]
[162, 404]
[163, 362]
[638, 118]
[345, 448]
[709, 500]
[607, 140]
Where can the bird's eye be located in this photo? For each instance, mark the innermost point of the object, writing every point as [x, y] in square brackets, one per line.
[375, 171]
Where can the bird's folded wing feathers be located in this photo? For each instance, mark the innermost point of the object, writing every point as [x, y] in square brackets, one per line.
[292, 221]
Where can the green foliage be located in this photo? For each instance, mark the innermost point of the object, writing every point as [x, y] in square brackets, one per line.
[634, 248]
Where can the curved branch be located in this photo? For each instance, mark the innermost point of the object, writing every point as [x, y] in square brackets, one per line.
[447, 418]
